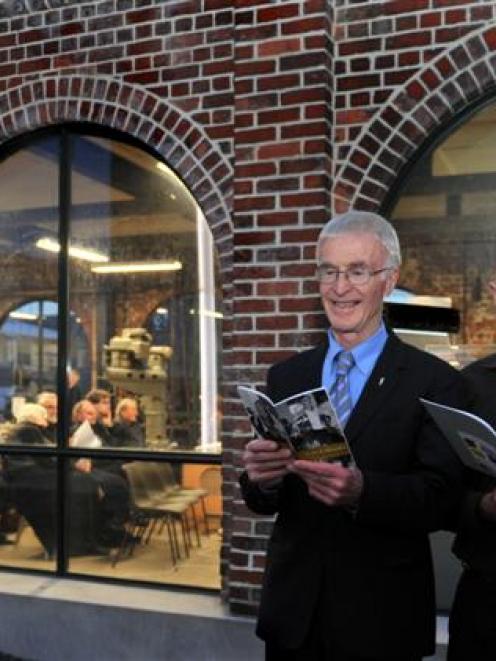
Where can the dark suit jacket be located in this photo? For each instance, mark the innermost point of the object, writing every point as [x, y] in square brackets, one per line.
[371, 571]
[475, 542]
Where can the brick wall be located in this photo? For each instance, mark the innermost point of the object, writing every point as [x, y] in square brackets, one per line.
[274, 114]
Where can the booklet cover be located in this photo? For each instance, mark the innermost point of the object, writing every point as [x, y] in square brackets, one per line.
[306, 422]
[472, 438]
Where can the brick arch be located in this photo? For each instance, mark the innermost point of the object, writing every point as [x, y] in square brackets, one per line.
[428, 101]
[182, 143]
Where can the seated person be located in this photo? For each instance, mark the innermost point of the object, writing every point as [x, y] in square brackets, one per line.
[127, 430]
[49, 401]
[107, 474]
[103, 425]
[32, 482]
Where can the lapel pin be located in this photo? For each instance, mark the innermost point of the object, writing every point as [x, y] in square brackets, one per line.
[381, 380]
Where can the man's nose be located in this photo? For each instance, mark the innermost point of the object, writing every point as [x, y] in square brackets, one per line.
[342, 283]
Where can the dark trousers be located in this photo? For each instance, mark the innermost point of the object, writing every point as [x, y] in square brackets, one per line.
[317, 646]
[472, 625]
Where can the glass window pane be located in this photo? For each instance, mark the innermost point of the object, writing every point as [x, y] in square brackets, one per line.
[144, 300]
[28, 512]
[445, 222]
[28, 287]
[171, 531]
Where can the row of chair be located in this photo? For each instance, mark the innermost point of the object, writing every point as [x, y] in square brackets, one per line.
[159, 503]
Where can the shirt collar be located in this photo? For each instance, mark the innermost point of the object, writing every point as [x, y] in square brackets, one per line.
[366, 353]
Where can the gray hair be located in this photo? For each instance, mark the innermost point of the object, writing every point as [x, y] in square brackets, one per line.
[369, 223]
[124, 403]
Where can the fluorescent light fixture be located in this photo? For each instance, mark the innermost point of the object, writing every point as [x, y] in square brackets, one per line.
[161, 311]
[207, 313]
[24, 316]
[46, 243]
[138, 267]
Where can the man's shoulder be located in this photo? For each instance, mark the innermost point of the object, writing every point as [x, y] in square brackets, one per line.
[416, 356]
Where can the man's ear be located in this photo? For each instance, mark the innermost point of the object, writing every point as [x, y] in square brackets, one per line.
[391, 280]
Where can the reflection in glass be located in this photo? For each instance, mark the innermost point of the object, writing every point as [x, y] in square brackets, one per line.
[445, 221]
[28, 212]
[28, 355]
[147, 231]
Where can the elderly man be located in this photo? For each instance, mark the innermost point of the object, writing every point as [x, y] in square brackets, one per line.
[349, 573]
[127, 429]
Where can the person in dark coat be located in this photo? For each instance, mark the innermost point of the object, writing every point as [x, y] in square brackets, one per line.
[472, 624]
[32, 482]
[349, 570]
[128, 430]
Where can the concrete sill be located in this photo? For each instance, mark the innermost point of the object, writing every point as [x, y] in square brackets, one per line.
[52, 619]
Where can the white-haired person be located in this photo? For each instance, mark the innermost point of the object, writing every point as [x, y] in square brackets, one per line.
[32, 484]
[128, 430]
[348, 575]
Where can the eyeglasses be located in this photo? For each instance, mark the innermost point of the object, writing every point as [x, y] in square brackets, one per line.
[356, 275]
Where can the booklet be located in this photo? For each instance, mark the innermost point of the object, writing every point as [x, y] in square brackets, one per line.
[306, 422]
[472, 438]
[85, 437]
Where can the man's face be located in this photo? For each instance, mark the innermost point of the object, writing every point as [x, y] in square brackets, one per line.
[354, 312]
[50, 404]
[129, 413]
[103, 408]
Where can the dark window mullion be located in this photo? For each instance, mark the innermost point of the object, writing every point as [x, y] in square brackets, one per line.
[63, 495]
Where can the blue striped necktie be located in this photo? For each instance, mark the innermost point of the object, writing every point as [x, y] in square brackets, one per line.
[340, 390]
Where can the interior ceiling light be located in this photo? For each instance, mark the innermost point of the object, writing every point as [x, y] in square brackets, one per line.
[46, 243]
[24, 316]
[138, 267]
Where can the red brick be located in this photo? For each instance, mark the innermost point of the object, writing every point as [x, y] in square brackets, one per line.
[303, 199]
[303, 130]
[287, 10]
[300, 235]
[359, 46]
[279, 322]
[410, 40]
[254, 340]
[278, 46]
[404, 6]
[277, 218]
[277, 150]
[304, 25]
[430, 20]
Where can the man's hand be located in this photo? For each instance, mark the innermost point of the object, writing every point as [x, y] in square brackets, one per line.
[488, 505]
[265, 461]
[331, 483]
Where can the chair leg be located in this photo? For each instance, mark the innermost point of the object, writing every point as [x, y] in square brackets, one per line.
[185, 532]
[171, 536]
[195, 525]
[204, 514]
[172, 521]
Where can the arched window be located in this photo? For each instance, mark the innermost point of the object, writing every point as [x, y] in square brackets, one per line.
[444, 215]
[109, 351]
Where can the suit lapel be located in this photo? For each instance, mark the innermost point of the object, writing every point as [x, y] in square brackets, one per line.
[381, 383]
